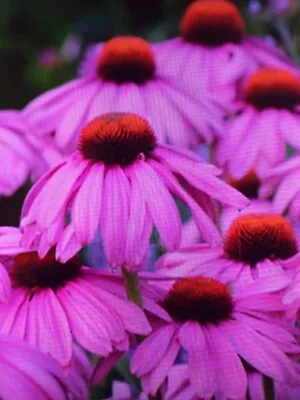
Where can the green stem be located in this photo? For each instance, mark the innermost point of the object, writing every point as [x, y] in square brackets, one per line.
[132, 285]
[268, 388]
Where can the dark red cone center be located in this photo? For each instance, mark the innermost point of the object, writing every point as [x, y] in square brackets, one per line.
[204, 300]
[126, 59]
[256, 237]
[31, 272]
[212, 23]
[273, 88]
[117, 139]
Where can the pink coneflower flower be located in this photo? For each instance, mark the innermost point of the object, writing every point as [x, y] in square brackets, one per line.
[121, 181]
[284, 182]
[122, 75]
[63, 302]
[21, 153]
[213, 52]
[255, 246]
[29, 374]
[267, 120]
[218, 329]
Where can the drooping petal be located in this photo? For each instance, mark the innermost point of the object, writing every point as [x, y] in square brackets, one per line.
[48, 328]
[115, 214]
[161, 205]
[87, 203]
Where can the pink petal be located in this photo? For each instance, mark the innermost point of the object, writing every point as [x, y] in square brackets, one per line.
[67, 246]
[75, 116]
[153, 380]
[103, 102]
[205, 225]
[48, 328]
[87, 323]
[260, 352]
[14, 314]
[161, 205]
[231, 376]
[286, 191]
[152, 350]
[202, 369]
[115, 214]
[139, 225]
[5, 285]
[86, 206]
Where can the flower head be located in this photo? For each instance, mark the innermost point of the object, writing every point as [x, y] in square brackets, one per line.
[128, 183]
[268, 120]
[125, 75]
[217, 328]
[212, 23]
[255, 246]
[214, 49]
[64, 302]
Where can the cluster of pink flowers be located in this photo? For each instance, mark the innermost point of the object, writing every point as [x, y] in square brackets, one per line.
[213, 312]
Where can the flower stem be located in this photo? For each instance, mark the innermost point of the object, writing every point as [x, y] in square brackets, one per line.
[268, 388]
[132, 285]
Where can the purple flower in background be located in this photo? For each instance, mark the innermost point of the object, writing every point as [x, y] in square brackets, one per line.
[213, 52]
[123, 75]
[121, 181]
[267, 119]
[255, 246]
[218, 327]
[48, 58]
[70, 48]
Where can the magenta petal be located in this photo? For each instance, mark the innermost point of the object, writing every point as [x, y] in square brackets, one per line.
[255, 386]
[67, 246]
[260, 352]
[231, 376]
[286, 191]
[86, 323]
[14, 314]
[115, 214]
[205, 225]
[152, 350]
[75, 116]
[52, 96]
[153, 380]
[161, 205]
[201, 364]
[86, 206]
[51, 199]
[103, 102]
[48, 328]
[5, 285]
